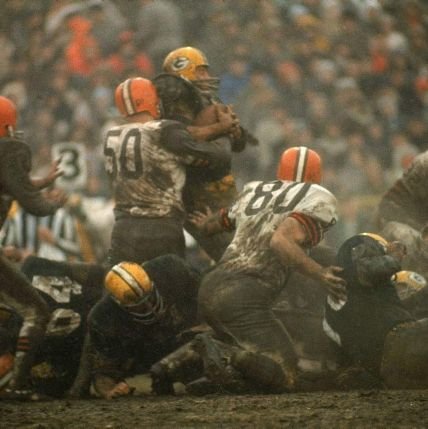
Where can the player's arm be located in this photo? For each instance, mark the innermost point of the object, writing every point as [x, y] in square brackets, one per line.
[210, 223]
[16, 181]
[289, 241]
[53, 173]
[177, 139]
[226, 123]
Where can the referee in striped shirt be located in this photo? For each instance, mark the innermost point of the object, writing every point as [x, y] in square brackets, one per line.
[53, 237]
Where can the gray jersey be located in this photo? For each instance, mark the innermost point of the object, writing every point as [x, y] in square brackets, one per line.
[146, 163]
[260, 208]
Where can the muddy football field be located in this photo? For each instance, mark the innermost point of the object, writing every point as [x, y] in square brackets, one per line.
[358, 409]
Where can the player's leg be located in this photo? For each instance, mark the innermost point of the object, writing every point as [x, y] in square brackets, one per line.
[17, 292]
[142, 239]
[239, 311]
[405, 356]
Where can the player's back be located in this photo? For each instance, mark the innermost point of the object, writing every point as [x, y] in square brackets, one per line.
[260, 208]
[147, 179]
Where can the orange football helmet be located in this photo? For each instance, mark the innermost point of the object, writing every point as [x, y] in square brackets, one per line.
[137, 95]
[7, 117]
[300, 164]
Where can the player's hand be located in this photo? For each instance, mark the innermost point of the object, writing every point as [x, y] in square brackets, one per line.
[54, 171]
[120, 389]
[12, 253]
[397, 250]
[199, 219]
[236, 131]
[334, 284]
[226, 117]
[57, 196]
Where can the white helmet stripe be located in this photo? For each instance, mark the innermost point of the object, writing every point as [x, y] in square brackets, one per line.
[301, 164]
[129, 279]
[126, 93]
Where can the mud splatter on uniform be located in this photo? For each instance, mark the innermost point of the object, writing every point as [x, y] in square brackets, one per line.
[215, 189]
[146, 163]
[407, 200]
[373, 329]
[237, 296]
[57, 360]
[117, 335]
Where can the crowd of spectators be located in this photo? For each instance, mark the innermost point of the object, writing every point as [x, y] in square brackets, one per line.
[348, 78]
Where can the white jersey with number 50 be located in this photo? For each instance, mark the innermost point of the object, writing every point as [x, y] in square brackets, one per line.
[260, 208]
[147, 165]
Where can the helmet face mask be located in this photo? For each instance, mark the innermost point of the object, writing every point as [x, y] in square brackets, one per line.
[137, 95]
[149, 309]
[300, 164]
[8, 117]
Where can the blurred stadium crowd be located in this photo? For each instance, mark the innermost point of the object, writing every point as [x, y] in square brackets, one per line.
[348, 78]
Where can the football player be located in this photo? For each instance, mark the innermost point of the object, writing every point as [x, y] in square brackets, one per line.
[213, 188]
[138, 321]
[407, 200]
[69, 291]
[15, 290]
[146, 160]
[380, 341]
[276, 222]
[403, 213]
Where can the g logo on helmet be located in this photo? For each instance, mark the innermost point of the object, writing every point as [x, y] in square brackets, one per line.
[180, 63]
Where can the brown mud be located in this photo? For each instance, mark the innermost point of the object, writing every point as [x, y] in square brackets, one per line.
[358, 409]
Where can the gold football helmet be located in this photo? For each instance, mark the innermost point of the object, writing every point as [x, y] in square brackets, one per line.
[131, 287]
[378, 238]
[184, 62]
[408, 283]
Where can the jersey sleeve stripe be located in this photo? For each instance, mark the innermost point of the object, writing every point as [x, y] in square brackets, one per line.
[226, 222]
[311, 227]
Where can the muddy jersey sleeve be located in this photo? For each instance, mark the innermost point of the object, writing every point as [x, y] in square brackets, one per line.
[176, 139]
[15, 180]
[316, 212]
[416, 177]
